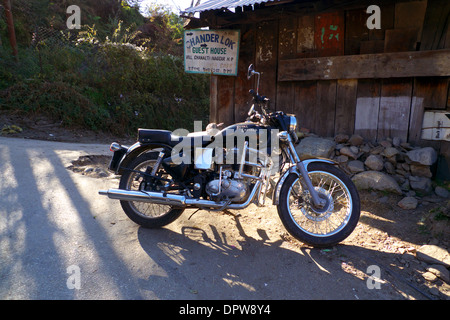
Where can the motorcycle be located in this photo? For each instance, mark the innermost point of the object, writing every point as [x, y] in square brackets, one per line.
[164, 173]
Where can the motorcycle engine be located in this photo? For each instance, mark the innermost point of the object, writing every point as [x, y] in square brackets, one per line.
[227, 188]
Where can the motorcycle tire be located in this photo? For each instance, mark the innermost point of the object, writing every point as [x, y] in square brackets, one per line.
[139, 212]
[309, 224]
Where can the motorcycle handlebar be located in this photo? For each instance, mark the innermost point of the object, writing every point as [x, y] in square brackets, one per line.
[257, 97]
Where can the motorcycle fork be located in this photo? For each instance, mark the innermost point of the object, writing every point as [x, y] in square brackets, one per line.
[317, 201]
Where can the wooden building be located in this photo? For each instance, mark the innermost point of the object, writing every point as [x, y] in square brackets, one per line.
[327, 62]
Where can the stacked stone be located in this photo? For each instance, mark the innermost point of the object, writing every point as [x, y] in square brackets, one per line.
[390, 165]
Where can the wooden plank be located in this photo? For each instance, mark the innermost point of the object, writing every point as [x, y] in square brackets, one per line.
[434, 24]
[305, 43]
[355, 30]
[345, 106]
[267, 57]
[387, 21]
[395, 106]
[367, 108]
[324, 113]
[285, 97]
[329, 34]
[445, 39]
[443, 170]
[305, 103]
[242, 85]
[410, 15]
[428, 93]
[213, 99]
[382, 65]
[287, 45]
[398, 40]
[225, 100]
[372, 46]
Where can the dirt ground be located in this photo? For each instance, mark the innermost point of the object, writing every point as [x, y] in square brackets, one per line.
[392, 233]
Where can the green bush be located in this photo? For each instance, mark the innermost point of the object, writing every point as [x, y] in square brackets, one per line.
[114, 87]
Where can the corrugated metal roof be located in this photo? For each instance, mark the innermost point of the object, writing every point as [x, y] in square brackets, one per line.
[223, 4]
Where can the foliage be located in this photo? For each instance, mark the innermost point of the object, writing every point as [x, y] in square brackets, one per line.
[109, 76]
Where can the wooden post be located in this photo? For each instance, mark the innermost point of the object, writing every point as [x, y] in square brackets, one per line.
[10, 23]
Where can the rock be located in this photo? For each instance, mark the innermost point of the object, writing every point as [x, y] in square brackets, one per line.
[386, 144]
[390, 152]
[396, 141]
[408, 203]
[355, 166]
[346, 151]
[377, 150]
[420, 170]
[425, 156]
[442, 192]
[434, 255]
[374, 162]
[88, 170]
[440, 271]
[420, 184]
[365, 149]
[377, 181]
[341, 138]
[354, 149]
[312, 147]
[356, 140]
[342, 159]
[389, 168]
[429, 276]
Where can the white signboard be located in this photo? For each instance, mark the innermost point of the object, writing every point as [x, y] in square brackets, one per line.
[211, 51]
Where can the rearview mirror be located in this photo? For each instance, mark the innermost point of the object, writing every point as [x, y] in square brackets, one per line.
[251, 71]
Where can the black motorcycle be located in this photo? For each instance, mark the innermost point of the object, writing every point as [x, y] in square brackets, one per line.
[163, 173]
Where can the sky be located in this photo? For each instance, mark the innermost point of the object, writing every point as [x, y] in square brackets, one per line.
[175, 4]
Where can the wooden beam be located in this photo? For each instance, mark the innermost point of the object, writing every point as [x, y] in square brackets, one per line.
[434, 63]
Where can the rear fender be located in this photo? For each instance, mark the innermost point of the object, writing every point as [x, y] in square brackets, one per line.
[294, 169]
[136, 150]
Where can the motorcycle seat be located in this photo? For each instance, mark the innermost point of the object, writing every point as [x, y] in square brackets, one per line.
[168, 138]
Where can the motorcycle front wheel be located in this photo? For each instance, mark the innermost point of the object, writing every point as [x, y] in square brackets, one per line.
[320, 227]
[148, 215]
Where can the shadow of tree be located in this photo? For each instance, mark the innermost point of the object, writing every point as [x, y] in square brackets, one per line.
[206, 267]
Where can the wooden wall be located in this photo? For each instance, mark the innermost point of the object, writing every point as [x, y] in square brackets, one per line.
[337, 76]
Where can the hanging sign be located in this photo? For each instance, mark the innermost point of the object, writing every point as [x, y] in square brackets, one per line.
[211, 51]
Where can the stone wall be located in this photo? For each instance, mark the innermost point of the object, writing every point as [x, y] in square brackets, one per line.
[390, 165]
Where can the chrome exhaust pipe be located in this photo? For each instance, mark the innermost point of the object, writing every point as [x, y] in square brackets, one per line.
[145, 196]
[174, 199]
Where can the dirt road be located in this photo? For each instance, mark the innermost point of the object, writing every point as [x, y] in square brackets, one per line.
[60, 240]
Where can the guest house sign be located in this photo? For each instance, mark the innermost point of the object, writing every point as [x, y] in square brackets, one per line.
[211, 51]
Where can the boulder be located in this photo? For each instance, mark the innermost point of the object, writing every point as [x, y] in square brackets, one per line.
[390, 152]
[408, 203]
[377, 181]
[420, 170]
[442, 192]
[421, 184]
[355, 166]
[434, 255]
[440, 271]
[341, 138]
[374, 162]
[356, 140]
[313, 147]
[346, 151]
[424, 156]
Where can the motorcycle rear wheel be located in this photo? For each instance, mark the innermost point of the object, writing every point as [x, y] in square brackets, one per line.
[320, 227]
[148, 215]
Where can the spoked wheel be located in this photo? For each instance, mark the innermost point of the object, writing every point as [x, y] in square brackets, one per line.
[148, 215]
[325, 226]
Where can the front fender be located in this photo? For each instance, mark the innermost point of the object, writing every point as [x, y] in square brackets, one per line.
[294, 169]
[135, 151]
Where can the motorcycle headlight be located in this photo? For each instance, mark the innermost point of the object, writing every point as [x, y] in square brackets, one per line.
[292, 123]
